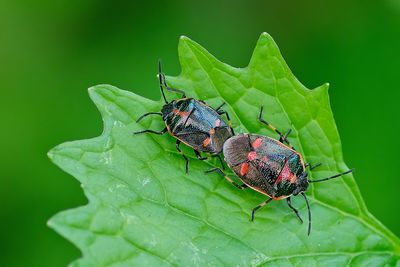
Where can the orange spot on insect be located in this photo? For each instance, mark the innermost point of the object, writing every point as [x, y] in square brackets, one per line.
[252, 155]
[257, 143]
[217, 123]
[293, 178]
[244, 168]
[180, 113]
[212, 131]
[206, 141]
[286, 174]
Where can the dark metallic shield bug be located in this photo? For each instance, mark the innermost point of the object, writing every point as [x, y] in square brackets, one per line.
[192, 122]
[269, 166]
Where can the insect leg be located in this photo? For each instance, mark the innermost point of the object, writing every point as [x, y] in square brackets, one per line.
[281, 136]
[289, 202]
[219, 107]
[164, 83]
[287, 134]
[199, 157]
[259, 206]
[243, 186]
[183, 155]
[284, 138]
[147, 114]
[220, 112]
[151, 131]
[175, 90]
[220, 160]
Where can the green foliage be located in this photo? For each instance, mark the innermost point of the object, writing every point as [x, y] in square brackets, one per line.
[143, 210]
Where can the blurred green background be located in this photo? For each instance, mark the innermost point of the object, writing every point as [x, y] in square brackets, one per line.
[52, 51]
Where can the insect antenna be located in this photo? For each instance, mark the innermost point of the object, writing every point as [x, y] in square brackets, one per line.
[332, 177]
[161, 77]
[309, 213]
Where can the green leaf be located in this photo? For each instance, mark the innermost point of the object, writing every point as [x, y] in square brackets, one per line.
[144, 211]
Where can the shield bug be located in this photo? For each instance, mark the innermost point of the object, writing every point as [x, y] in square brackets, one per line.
[271, 167]
[192, 122]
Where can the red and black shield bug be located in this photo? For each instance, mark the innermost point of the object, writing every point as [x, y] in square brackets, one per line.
[192, 122]
[269, 167]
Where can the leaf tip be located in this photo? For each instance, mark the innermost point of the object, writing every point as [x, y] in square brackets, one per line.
[265, 35]
[324, 87]
[94, 90]
[101, 88]
[53, 222]
[91, 89]
[50, 223]
[265, 38]
[102, 92]
[183, 40]
[50, 154]
[265, 48]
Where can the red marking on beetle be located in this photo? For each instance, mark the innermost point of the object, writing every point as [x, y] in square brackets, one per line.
[265, 159]
[252, 155]
[286, 174]
[257, 143]
[212, 131]
[206, 141]
[244, 168]
[217, 123]
[180, 113]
